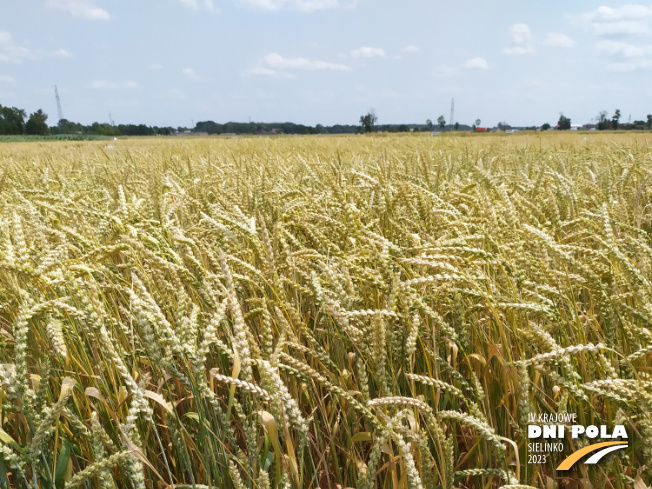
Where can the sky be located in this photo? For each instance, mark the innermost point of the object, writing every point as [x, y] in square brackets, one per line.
[177, 62]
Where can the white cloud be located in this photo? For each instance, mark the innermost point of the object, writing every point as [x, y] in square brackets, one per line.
[62, 53]
[631, 19]
[11, 52]
[626, 12]
[411, 49]
[276, 61]
[192, 74]
[196, 5]
[301, 5]
[444, 72]
[172, 94]
[263, 71]
[625, 66]
[368, 52]
[520, 34]
[622, 49]
[476, 63]
[521, 40]
[558, 40]
[519, 49]
[623, 56]
[276, 65]
[111, 85]
[7, 79]
[85, 9]
[614, 24]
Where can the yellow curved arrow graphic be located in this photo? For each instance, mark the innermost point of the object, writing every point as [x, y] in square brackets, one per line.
[574, 457]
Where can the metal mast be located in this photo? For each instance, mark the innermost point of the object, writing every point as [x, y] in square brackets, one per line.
[56, 95]
[452, 119]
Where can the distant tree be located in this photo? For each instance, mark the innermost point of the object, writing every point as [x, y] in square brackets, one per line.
[68, 127]
[12, 120]
[649, 121]
[503, 126]
[442, 122]
[134, 130]
[478, 122]
[457, 126]
[208, 127]
[564, 122]
[368, 121]
[36, 124]
[428, 124]
[163, 131]
[603, 122]
[103, 129]
[340, 129]
[636, 125]
[545, 127]
[403, 128]
[615, 119]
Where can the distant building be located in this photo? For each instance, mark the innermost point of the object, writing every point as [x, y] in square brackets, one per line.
[480, 129]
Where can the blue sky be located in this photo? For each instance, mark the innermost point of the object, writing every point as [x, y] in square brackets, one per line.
[172, 62]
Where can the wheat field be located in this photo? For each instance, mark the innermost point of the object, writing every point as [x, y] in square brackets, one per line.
[367, 312]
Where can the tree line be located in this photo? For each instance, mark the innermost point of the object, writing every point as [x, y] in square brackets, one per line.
[14, 121]
[211, 127]
[104, 129]
[369, 123]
